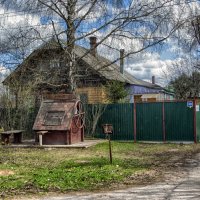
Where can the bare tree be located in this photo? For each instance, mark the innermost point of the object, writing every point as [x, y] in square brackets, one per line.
[186, 85]
[187, 38]
[93, 112]
[140, 23]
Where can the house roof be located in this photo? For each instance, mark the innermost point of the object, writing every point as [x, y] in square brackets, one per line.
[100, 64]
[111, 71]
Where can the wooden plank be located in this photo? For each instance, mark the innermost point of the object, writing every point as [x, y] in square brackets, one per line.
[11, 132]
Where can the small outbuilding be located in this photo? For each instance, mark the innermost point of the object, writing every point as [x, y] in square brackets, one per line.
[60, 121]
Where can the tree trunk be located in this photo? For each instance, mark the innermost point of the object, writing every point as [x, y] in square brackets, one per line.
[70, 64]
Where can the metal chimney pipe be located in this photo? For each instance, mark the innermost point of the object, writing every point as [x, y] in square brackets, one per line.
[153, 80]
[122, 61]
[93, 45]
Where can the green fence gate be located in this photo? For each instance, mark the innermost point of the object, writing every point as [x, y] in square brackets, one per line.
[179, 121]
[149, 122]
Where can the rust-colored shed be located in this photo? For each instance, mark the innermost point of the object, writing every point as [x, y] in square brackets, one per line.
[60, 121]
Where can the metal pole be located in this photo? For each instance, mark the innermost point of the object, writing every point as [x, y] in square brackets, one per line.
[110, 149]
[163, 121]
[135, 122]
[194, 118]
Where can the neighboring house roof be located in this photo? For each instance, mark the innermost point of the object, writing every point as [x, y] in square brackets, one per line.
[98, 63]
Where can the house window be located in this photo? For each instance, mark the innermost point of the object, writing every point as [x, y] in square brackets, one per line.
[55, 63]
[84, 98]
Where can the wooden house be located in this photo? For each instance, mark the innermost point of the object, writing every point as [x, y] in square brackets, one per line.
[46, 65]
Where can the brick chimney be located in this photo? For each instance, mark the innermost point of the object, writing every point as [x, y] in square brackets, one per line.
[122, 61]
[93, 45]
[153, 80]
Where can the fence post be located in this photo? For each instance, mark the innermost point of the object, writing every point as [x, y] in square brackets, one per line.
[163, 121]
[194, 118]
[135, 128]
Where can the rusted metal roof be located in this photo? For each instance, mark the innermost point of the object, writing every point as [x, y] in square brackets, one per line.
[54, 115]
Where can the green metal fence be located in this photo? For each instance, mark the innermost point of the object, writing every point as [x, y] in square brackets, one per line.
[159, 121]
[149, 121]
[179, 121]
[162, 121]
[121, 116]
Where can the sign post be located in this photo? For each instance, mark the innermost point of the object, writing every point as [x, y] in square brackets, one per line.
[110, 149]
[108, 130]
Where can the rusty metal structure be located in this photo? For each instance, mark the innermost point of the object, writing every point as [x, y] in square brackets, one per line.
[107, 128]
[60, 121]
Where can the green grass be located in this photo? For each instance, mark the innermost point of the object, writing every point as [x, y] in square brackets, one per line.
[85, 169]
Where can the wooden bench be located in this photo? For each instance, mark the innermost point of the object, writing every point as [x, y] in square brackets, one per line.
[17, 136]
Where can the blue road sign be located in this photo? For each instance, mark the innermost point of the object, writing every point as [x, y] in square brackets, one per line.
[190, 104]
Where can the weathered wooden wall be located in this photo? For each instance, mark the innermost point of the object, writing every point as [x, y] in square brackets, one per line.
[94, 94]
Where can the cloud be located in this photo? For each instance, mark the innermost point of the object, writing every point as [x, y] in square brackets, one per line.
[138, 68]
[3, 73]
[3, 70]
[11, 19]
[148, 65]
[144, 65]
